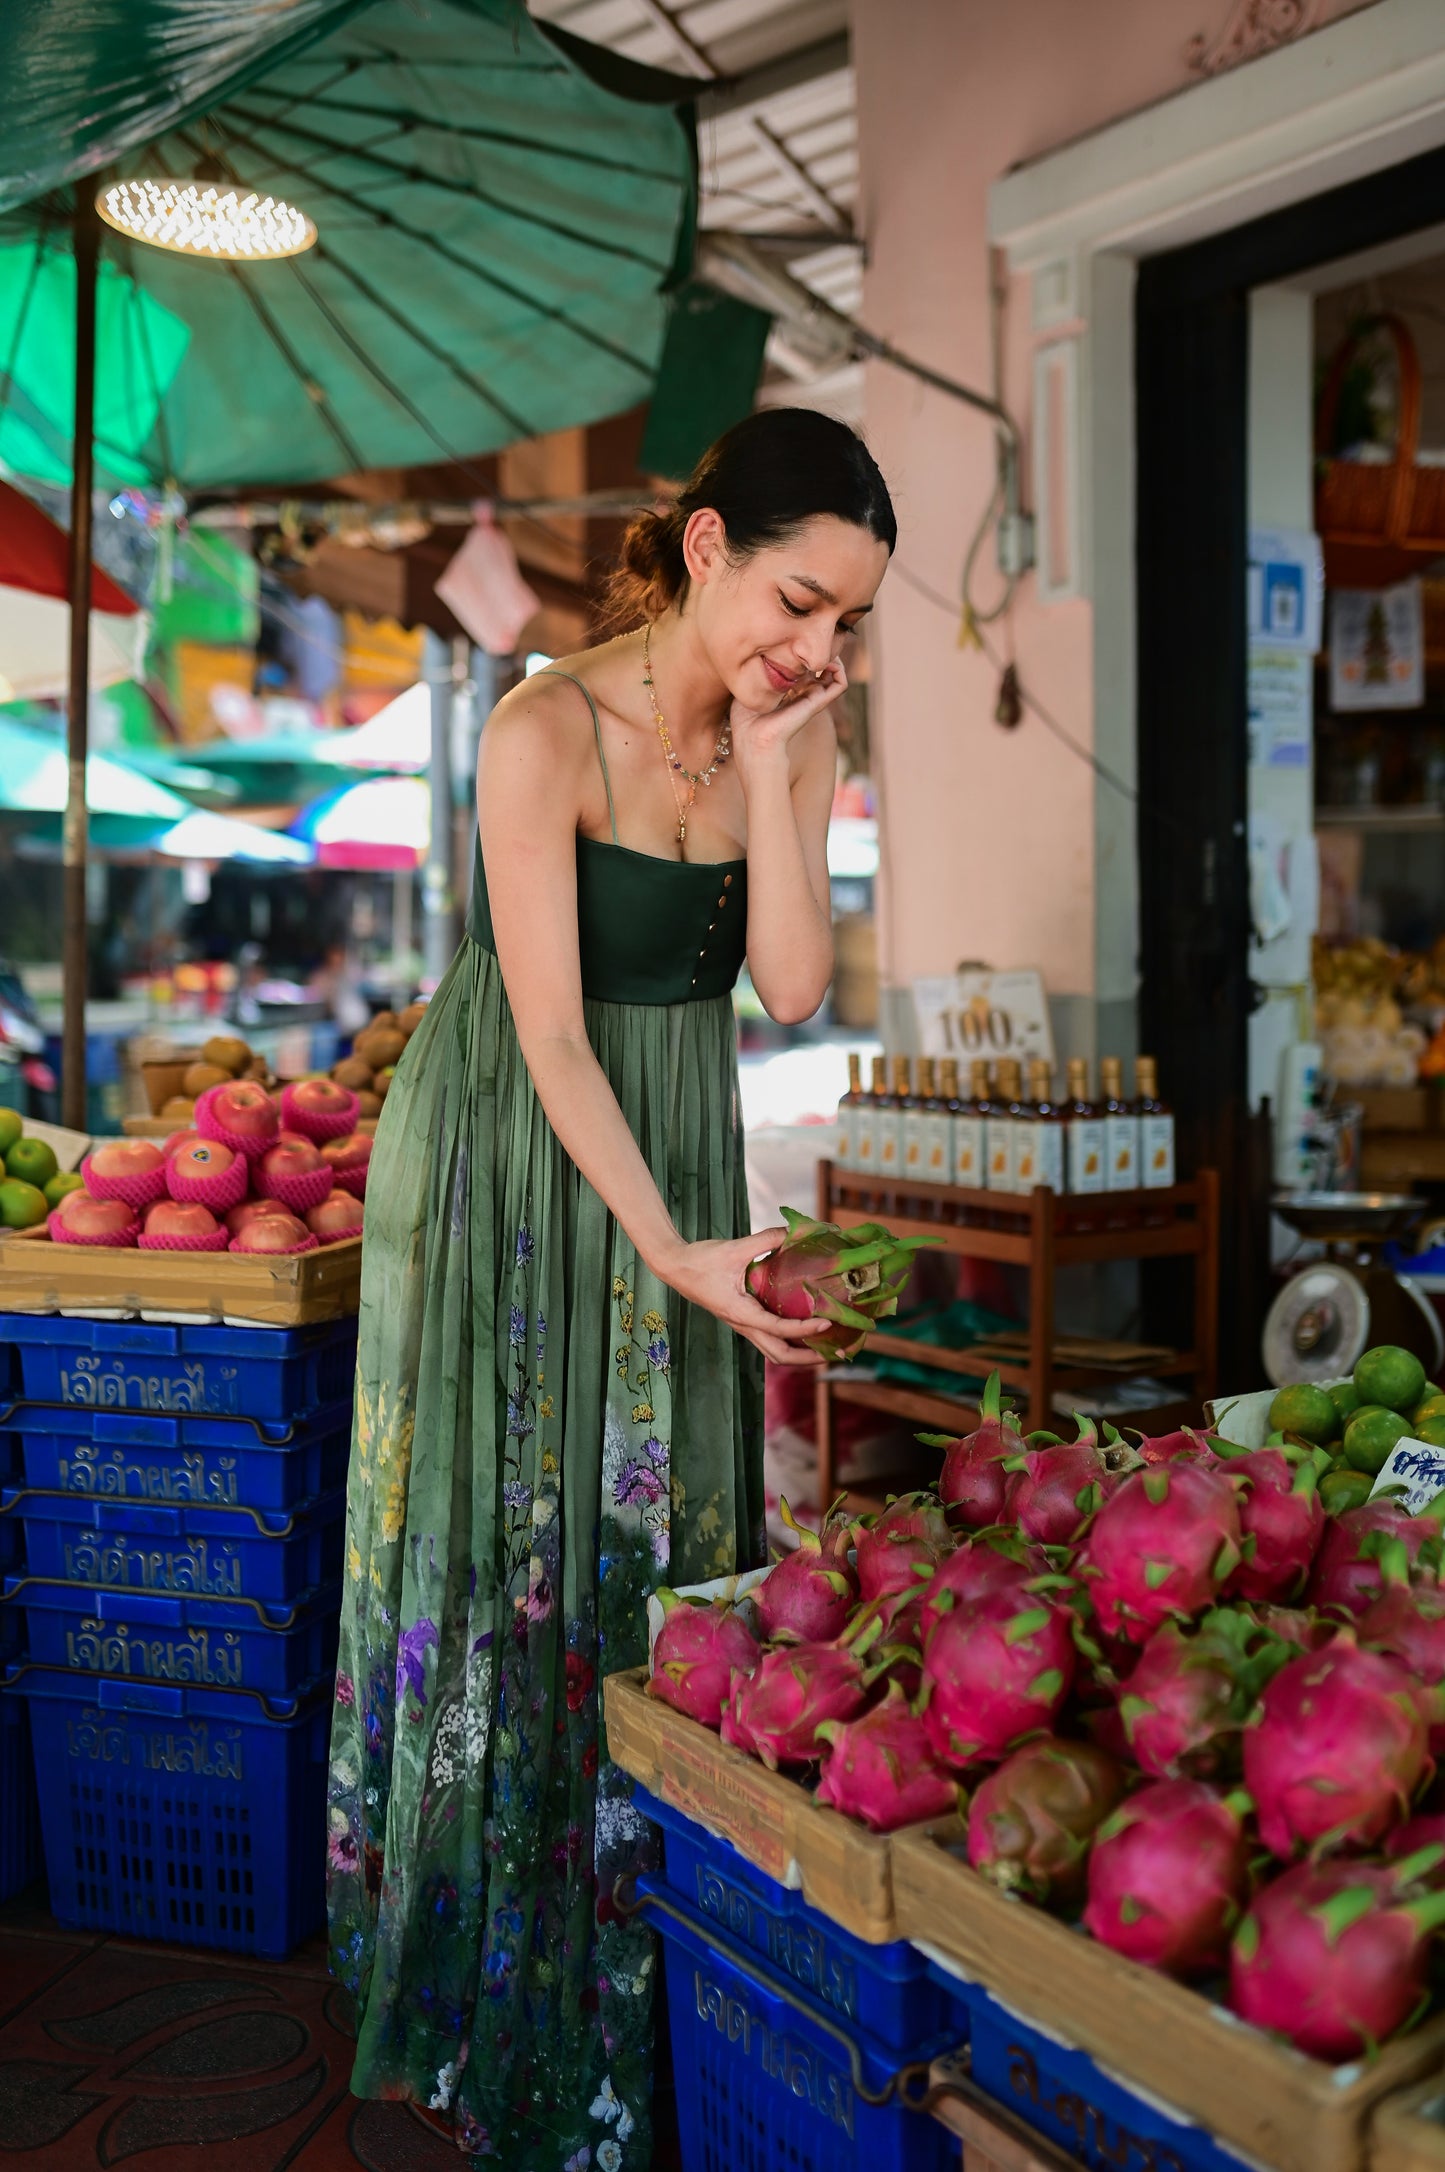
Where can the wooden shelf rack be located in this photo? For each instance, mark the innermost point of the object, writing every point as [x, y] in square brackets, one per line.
[1040, 1231]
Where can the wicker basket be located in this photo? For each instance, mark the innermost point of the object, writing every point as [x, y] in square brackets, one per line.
[1395, 504]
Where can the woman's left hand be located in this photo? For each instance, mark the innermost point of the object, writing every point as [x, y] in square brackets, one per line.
[761, 734]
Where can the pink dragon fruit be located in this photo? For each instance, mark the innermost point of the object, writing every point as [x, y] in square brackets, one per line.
[851, 1277]
[1281, 1512]
[1418, 1834]
[904, 1542]
[887, 1635]
[807, 1597]
[977, 1567]
[699, 1648]
[1169, 1877]
[1335, 1955]
[1410, 1626]
[776, 1711]
[1162, 1546]
[1185, 1703]
[1030, 1823]
[973, 1482]
[1296, 1625]
[1349, 1569]
[1337, 1751]
[880, 1769]
[1054, 1489]
[993, 1674]
[1167, 1447]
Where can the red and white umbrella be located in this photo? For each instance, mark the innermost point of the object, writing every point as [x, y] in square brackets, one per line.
[35, 613]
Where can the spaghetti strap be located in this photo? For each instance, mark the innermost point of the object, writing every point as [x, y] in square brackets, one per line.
[550, 671]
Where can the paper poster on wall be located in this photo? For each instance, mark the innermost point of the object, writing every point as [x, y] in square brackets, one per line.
[1286, 588]
[1281, 707]
[977, 1012]
[1377, 648]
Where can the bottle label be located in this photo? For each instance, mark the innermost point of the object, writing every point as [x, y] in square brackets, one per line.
[1023, 1172]
[1156, 1151]
[843, 1135]
[1049, 1156]
[1122, 1138]
[968, 1169]
[865, 1137]
[998, 1151]
[938, 1149]
[1087, 1155]
[911, 1133]
[888, 1139]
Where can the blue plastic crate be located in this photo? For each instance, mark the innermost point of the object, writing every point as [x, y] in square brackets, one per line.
[133, 1456]
[886, 1990]
[19, 1810]
[219, 1553]
[769, 2082]
[213, 1643]
[193, 1815]
[1066, 2097]
[280, 1375]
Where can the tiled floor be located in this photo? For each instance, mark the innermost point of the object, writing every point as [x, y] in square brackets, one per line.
[113, 2051]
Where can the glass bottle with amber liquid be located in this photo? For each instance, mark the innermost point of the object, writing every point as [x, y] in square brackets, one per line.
[970, 1168]
[1156, 1135]
[914, 1133]
[845, 1136]
[1050, 1124]
[998, 1123]
[1086, 1153]
[889, 1124]
[865, 1122]
[1121, 1137]
[1023, 1145]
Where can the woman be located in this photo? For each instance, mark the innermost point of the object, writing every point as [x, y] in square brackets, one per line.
[557, 1408]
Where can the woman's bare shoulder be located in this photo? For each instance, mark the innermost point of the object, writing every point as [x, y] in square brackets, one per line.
[542, 718]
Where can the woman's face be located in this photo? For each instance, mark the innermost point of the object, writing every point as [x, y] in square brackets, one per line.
[772, 621]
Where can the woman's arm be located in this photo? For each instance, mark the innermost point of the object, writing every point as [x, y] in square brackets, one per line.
[530, 784]
[787, 760]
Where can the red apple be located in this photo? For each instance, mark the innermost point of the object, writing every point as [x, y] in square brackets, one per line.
[321, 1097]
[352, 1152]
[203, 1158]
[177, 1140]
[290, 1157]
[179, 1218]
[250, 1210]
[339, 1215]
[126, 1158]
[99, 1221]
[244, 1107]
[271, 1233]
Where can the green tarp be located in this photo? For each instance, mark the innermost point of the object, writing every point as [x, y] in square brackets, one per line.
[498, 233]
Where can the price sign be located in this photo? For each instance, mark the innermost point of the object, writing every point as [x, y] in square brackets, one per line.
[979, 1013]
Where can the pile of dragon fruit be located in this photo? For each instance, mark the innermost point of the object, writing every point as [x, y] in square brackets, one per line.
[1181, 1705]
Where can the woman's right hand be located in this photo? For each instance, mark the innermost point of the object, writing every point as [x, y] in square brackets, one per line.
[711, 1273]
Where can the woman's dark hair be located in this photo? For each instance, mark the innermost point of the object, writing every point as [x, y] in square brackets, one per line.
[765, 477]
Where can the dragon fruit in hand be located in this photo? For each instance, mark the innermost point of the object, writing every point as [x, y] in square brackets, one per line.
[1169, 1877]
[776, 1710]
[1337, 1751]
[1031, 1821]
[1187, 1698]
[1163, 1545]
[993, 1674]
[808, 1595]
[1056, 1488]
[974, 1483]
[851, 1277]
[699, 1648]
[1334, 1955]
[881, 1770]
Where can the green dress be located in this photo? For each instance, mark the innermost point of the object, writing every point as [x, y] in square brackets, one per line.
[543, 1434]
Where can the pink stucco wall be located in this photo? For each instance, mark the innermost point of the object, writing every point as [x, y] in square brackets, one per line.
[988, 834]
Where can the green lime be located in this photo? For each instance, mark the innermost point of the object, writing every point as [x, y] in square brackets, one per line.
[21, 1205]
[1371, 1435]
[1432, 1407]
[31, 1160]
[1391, 1377]
[1344, 1489]
[10, 1129]
[1305, 1411]
[1431, 1430]
[68, 1180]
[1346, 1398]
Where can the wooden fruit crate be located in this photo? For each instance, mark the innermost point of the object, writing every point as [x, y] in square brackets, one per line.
[260, 1288]
[1259, 2096]
[842, 1870]
[1408, 2134]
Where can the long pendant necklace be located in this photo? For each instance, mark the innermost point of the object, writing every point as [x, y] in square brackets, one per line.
[674, 767]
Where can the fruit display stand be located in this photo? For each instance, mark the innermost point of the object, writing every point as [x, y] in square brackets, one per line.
[1041, 1233]
[1056, 2024]
[1408, 2134]
[161, 1078]
[255, 1289]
